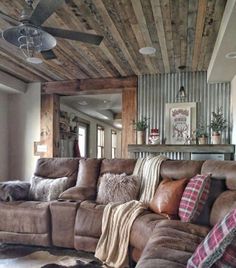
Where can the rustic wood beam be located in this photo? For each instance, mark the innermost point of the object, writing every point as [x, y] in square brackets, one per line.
[50, 114]
[90, 86]
[129, 110]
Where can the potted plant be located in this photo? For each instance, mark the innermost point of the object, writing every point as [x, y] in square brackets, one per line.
[140, 126]
[201, 134]
[218, 124]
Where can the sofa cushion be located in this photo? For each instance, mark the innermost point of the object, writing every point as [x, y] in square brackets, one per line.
[216, 188]
[142, 228]
[58, 167]
[45, 189]
[194, 197]
[79, 193]
[14, 190]
[25, 217]
[89, 219]
[221, 170]
[117, 188]
[213, 246]
[167, 196]
[117, 166]
[176, 169]
[88, 172]
[223, 205]
[171, 244]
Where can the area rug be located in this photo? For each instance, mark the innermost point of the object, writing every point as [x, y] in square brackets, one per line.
[19, 256]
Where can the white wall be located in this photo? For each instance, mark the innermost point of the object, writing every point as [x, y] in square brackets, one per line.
[3, 136]
[93, 133]
[24, 129]
[233, 109]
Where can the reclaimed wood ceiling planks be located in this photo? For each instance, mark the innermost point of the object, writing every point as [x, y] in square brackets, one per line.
[183, 33]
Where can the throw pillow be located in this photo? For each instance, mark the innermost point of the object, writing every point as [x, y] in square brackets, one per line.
[167, 196]
[14, 190]
[213, 247]
[79, 193]
[46, 189]
[117, 188]
[194, 197]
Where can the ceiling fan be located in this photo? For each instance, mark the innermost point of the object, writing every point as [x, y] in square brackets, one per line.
[31, 37]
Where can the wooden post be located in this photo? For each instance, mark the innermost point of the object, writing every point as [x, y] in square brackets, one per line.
[50, 112]
[129, 109]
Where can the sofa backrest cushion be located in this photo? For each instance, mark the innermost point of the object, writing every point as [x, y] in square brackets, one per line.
[88, 173]
[117, 166]
[223, 205]
[176, 169]
[222, 170]
[58, 167]
[216, 188]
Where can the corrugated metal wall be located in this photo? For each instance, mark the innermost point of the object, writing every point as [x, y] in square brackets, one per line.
[154, 91]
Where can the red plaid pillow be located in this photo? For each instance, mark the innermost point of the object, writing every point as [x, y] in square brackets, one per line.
[194, 197]
[215, 245]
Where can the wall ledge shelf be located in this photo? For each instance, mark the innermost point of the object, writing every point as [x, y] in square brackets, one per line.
[135, 149]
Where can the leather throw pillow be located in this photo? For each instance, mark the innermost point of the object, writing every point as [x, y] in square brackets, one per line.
[46, 189]
[167, 196]
[117, 188]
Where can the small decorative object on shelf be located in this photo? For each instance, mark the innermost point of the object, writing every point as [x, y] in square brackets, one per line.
[190, 139]
[154, 137]
[140, 126]
[201, 134]
[218, 124]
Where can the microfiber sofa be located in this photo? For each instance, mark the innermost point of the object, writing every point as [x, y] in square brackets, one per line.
[75, 220]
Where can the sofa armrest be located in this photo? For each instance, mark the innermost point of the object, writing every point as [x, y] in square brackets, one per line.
[79, 193]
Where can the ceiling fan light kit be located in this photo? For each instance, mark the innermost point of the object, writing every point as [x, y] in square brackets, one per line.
[32, 39]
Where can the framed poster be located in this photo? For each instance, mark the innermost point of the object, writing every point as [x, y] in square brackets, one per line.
[180, 121]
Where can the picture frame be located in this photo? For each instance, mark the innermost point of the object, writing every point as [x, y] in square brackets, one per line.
[180, 122]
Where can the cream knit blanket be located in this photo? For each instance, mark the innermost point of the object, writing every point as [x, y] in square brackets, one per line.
[118, 218]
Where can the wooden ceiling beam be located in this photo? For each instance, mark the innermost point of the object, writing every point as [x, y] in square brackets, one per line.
[74, 87]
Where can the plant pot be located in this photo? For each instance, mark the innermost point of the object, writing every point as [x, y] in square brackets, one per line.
[202, 140]
[216, 138]
[141, 137]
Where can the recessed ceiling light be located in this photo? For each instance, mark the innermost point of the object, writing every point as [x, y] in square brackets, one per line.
[34, 60]
[147, 50]
[83, 103]
[231, 55]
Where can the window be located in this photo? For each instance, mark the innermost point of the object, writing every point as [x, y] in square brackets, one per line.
[83, 138]
[113, 143]
[100, 142]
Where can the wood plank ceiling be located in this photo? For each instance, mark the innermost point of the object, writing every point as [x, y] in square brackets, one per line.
[183, 33]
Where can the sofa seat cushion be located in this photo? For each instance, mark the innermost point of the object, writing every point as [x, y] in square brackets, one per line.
[25, 217]
[89, 219]
[142, 228]
[171, 244]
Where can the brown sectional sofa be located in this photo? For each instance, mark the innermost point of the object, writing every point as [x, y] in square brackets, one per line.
[76, 222]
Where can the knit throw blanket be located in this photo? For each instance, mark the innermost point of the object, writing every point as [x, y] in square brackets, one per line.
[118, 218]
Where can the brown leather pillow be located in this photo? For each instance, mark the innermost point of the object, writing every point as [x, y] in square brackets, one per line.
[79, 193]
[167, 196]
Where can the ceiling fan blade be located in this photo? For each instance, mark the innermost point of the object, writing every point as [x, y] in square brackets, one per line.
[73, 35]
[44, 10]
[9, 19]
[48, 54]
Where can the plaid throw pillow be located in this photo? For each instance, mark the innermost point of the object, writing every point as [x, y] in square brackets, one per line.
[194, 197]
[216, 245]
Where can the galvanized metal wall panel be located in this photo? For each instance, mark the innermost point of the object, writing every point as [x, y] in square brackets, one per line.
[154, 91]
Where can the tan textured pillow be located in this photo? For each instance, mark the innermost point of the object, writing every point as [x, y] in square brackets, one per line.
[46, 189]
[167, 196]
[117, 188]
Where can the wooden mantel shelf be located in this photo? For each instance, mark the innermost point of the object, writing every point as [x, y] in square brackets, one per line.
[208, 148]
